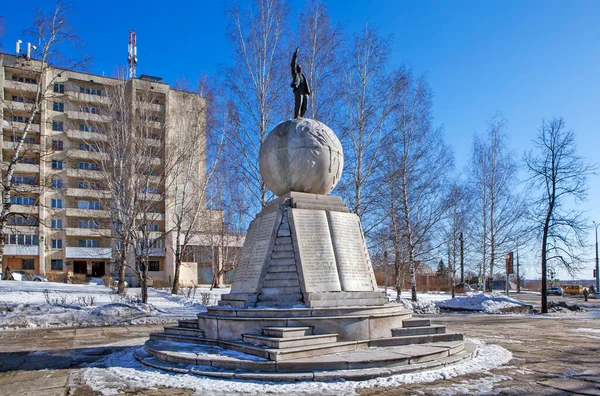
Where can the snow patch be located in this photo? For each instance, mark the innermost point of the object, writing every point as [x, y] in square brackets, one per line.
[481, 302]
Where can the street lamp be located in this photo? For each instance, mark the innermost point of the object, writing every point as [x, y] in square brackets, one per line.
[597, 268]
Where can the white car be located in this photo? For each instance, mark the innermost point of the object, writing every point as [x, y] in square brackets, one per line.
[21, 275]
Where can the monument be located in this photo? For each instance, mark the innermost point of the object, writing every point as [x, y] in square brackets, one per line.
[304, 285]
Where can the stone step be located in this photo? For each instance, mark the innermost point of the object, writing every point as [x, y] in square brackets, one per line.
[189, 323]
[283, 247]
[186, 331]
[294, 353]
[281, 275]
[281, 268]
[281, 283]
[292, 297]
[280, 304]
[416, 322]
[417, 339]
[280, 290]
[289, 342]
[410, 331]
[283, 254]
[286, 332]
[179, 338]
[283, 240]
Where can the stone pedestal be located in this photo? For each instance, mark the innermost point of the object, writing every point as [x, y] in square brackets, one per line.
[304, 250]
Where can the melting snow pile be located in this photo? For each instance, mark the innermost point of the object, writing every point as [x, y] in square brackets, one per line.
[420, 307]
[48, 304]
[481, 302]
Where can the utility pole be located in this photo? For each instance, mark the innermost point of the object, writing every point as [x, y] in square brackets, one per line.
[518, 274]
[462, 257]
[597, 267]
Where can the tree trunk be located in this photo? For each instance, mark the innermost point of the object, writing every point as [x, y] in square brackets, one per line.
[123, 259]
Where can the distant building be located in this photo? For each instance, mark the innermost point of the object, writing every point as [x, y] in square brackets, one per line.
[63, 204]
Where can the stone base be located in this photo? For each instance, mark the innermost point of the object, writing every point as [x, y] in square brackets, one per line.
[351, 323]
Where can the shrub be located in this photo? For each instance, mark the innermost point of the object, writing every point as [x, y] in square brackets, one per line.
[79, 279]
[160, 284]
[56, 277]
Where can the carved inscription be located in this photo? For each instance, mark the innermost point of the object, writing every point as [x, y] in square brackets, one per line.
[315, 250]
[354, 266]
[254, 254]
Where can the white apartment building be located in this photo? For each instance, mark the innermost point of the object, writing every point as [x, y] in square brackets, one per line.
[62, 217]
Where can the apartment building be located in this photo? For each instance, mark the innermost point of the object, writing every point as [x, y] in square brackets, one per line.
[61, 205]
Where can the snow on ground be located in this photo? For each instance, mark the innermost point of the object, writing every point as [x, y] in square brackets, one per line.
[481, 302]
[49, 304]
[120, 371]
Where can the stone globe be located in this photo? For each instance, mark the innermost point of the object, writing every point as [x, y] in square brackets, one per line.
[301, 155]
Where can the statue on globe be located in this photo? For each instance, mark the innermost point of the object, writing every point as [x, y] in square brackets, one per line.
[300, 87]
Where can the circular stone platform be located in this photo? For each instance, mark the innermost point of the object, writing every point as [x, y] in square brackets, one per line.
[361, 364]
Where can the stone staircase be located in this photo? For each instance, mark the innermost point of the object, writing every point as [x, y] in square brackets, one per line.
[287, 343]
[186, 331]
[417, 331]
[281, 284]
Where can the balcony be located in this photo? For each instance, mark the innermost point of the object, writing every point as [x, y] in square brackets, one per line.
[91, 253]
[31, 147]
[88, 98]
[151, 217]
[18, 106]
[96, 214]
[86, 192]
[86, 136]
[20, 86]
[27, 168]
[20, 250]
[84, 174]
[89, 117]
[27, 210]
[152, 197]
[85, 154]
[89, 232]
[20, 126]
[157, 252]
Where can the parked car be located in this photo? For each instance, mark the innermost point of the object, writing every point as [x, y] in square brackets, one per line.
[558, 291]
[21, 275]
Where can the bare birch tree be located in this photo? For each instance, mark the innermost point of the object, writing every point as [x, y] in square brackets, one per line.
[255, 85]
[494, 178]
[418, 162]
[559, 175]
[369, 94]
[41, 65]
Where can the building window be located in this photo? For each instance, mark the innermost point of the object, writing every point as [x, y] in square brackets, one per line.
[150, 190]
[25, 201]
[57, 183]
[56, 265]
[22, 221]
[94, 205]
[29, 160]
[88, 243]
[27, 264]
[24, 180]
[56, 164]
[56, 203]
[88, 147]
[22, 239]
[88, 224]
[59, 88]
[58, 126]
[91, 91]
[19, 119]
[88, 166]
[58, 106]
[151, 227]
[56, 224]
[153, 266]
[89, 185]
[57, 244]
[24, 79]
[87, 128]
[57, 145]
[90, 109]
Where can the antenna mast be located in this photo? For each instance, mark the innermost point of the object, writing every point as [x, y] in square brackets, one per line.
[132, 58]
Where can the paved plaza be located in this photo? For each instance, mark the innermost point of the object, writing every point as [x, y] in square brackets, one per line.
[551, 356]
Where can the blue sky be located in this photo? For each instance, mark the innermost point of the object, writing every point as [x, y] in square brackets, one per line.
[527, 60]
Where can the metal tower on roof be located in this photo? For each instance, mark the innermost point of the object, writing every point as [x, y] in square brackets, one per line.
[132, 58]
